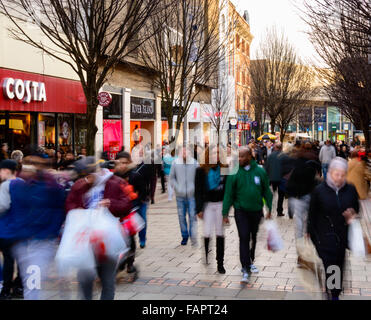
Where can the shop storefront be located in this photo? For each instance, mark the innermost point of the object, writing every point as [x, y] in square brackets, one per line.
[244, 129]
[142, 120]
[112, 126]
[42, 110]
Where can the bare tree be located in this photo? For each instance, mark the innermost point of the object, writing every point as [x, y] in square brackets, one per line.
[219, 109]
[91, 36]
[185, 54]
[281, 83]
[341, 34]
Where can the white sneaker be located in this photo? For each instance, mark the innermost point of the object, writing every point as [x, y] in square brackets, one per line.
[254, 269]
[245, 278]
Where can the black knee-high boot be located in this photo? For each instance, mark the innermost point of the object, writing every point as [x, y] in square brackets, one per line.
[220, 254]
[206, 241]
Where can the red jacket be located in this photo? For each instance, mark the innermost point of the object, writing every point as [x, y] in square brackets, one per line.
[114, 191]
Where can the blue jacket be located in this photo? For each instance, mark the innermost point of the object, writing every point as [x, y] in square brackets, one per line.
[36, 209]
[168, 161]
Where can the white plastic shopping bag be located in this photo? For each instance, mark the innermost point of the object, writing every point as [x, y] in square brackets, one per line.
[75, 251]
[107, 237]
[133, 223]
[275, 242]
[355, 239]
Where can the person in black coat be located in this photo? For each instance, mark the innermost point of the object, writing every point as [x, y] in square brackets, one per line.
[209, 195]
[126, 169]
[333, 205]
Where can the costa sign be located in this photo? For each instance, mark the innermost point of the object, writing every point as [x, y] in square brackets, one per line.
[24, 90]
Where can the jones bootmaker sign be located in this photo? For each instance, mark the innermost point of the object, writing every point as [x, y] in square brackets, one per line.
[141, 108]
[25, 90]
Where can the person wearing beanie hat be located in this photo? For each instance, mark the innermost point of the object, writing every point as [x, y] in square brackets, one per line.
[10, 288]
[333, 206]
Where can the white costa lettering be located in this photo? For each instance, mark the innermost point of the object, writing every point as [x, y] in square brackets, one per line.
[24, 90]
[8, 82]
[19, 89]
[27, 97]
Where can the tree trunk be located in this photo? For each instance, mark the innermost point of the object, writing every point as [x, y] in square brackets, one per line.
[92, 104]
[366, 130]
[273, 125]
[170, 130]
[282, 134]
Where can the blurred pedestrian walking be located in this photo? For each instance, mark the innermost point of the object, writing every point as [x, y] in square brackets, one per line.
[209, 195]
[273, 166]
[246, 191]
[11, 288]
[333, 205]
[357, 175]
[326, 154]
[33, 216]
[99, 188]
[167, 163]
[182, 179]
[126, 169]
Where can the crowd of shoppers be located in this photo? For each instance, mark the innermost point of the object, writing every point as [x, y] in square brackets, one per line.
[322, 185]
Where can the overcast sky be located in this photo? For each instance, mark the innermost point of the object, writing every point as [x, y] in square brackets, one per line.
[284, 14]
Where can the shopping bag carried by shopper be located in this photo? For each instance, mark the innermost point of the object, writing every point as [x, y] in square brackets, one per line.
[275, 242]
[133, 223]
[75, 250]
[107, 239]
[355, 239]
[309, 267]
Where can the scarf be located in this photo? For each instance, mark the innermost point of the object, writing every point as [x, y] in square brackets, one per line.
[96, 193]
[332, 185]
[213, 178]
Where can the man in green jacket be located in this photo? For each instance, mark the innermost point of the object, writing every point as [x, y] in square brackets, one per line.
[245, 191]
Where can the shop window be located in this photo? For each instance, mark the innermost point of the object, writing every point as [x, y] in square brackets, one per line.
[65, 125]
[46, 130]
[80, 132]
[3, 127]
[112, 127]
[19, 130]
[114, 110]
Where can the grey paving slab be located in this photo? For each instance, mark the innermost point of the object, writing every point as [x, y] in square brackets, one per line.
[180, 290]
[219, 292]
[261, 295]
[143, 288]
[193, 297]
[124, 295]
[152, 296]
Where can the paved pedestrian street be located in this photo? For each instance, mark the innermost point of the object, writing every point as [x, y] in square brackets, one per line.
[169, 271]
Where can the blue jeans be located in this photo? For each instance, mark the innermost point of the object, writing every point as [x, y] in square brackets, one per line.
[143, 213]
[185, 205]
[324, 170]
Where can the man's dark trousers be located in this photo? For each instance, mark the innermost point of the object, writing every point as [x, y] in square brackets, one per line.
[281, 196]
[248, 227]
